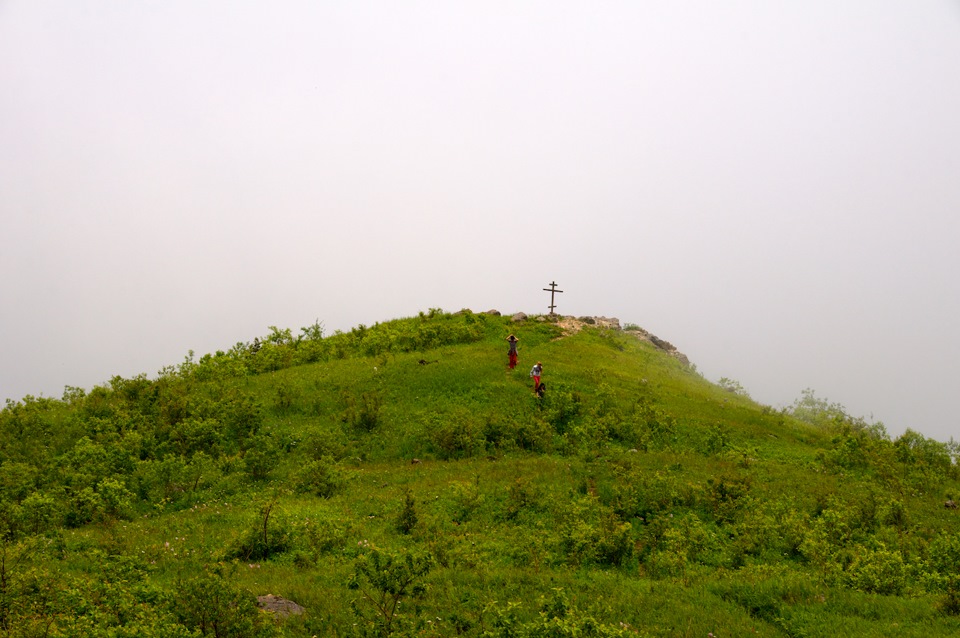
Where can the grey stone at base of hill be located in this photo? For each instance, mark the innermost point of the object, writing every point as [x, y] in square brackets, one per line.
[279, 606]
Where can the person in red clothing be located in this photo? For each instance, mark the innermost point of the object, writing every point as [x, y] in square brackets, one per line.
[512, 353]
[535, 372]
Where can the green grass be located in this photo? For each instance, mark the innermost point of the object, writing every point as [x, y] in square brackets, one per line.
[657, 502]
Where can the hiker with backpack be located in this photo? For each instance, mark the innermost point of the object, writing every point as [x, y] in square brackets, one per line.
[535, 372]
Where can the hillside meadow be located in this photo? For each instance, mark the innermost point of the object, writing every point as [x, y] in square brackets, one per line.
[400, 480]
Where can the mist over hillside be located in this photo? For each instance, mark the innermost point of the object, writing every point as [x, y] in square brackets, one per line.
[771, 186]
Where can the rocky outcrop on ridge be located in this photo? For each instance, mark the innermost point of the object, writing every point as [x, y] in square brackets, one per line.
[575, 324]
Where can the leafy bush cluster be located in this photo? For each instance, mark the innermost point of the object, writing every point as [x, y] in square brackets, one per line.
[280, 349]
[123, 601]
[130, 448]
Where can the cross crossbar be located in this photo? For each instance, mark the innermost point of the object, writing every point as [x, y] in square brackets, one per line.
[552, 290]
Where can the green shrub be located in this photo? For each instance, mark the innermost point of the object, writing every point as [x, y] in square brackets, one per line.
[383, 580]
[591, 534]
[877, 570]
[657, 428]
[116, 500]
[197, 435]
[560, 407]
[817, 411]
[362, 414]
[521, 497]
[242, 417]
[533, 435]
[267, 535]
[325, 535]
[407, 518]
[41, 513]
[676, 543]
[164, 479]
[17, 480]
[642, 495]
[271, 357]
[557, 619]
[506, 432]
[322, 477]
[456, 435]
[260, 457]
[465, 498]
[950, 603]
[110, 499]
[287, 399]
[717, 439]
[728, 496]
[211, 605]
[327, 443]
[944, 553]
[733, 387]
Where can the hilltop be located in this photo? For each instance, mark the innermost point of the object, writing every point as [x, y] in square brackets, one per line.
[399, 479]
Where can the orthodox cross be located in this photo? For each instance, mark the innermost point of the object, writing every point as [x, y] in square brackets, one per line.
[552, 289]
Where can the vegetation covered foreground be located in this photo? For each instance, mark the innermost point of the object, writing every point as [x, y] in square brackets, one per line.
[399, 480]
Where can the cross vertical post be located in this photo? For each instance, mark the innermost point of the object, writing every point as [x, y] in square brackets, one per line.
[552, 290]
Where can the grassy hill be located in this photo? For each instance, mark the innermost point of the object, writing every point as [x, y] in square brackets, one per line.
[399, 480]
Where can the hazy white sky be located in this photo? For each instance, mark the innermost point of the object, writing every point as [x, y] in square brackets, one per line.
[772, 186]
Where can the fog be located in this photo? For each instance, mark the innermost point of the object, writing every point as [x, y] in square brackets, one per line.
[771, 186]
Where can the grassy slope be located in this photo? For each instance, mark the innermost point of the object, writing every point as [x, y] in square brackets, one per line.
[513, 499]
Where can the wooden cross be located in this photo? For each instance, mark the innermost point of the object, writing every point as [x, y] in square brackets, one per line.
[552, 289]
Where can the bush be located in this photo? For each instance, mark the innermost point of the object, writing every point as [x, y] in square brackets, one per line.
[670, 557]
[265, 537]
[591, 534]
[324, 536]
[465, 499]
[557, 619]
[717, 439]
[733, 386]
[41, 513]
[944, 554]
[533, 435]
[678, 542]
[287, 399]
[727, 497]
[817, 411]
[322, 477]
[521, 497]
[211, 605]
[656, 428]
[260, 458]
[242, 417]
[116, 500]
[877, 570]
[407, 518]
[197, 435]
[383, 580]
[950, 603]
[362, 414]
[329, 442]
[17, 480]
[561, 407]
[456, 435]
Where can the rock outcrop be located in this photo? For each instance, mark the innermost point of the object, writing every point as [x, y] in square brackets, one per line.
[279, 606]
